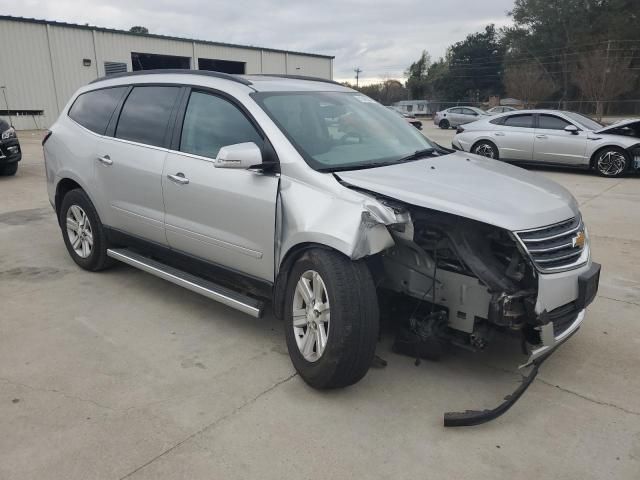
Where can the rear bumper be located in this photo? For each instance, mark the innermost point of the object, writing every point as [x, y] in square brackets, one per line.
[10, 151]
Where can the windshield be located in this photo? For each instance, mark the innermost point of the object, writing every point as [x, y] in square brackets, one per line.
[344, 130]
[586, 122]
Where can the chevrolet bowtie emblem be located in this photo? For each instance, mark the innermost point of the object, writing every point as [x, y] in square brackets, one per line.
[578, 240]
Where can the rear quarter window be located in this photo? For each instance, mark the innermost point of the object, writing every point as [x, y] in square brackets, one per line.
[94, 109]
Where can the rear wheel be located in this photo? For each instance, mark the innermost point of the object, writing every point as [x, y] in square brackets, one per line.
[485, 149]
[611, 162]
[444, 124]
[82, 231]
[331, 319]
[9, 170]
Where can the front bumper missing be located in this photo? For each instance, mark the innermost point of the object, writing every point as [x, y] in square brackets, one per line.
[476, 417]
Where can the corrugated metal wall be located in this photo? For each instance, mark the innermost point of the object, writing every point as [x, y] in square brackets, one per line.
[41, 65]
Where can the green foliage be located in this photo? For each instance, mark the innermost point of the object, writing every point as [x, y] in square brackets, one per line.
[548, 36]
[139, 29]
[387, 92]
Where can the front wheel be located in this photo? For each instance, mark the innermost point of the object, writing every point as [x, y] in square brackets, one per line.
[331, 319]
[9, 170]
[611, 162]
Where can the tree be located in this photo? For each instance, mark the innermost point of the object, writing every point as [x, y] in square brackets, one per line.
[601, 76]
[417, 76]
[529, 83]
[139, 29]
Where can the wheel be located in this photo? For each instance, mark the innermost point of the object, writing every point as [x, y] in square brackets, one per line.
[9, 170]
[331, 319]
[444, 124]
[485, 149]
[611, 162]
[82, 231]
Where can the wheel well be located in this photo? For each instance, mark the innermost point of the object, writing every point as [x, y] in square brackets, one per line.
[592, 161]
[64, 186]
[282, 278]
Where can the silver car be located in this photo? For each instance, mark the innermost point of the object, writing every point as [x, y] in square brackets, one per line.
[315, 198]
[556, 138]
[454, 116]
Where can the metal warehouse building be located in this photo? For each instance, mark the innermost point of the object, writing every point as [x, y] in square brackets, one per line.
[42, 63]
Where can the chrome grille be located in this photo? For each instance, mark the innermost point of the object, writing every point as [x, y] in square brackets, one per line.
[556, 247]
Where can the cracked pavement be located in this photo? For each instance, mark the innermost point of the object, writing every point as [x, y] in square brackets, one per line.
[121, 375]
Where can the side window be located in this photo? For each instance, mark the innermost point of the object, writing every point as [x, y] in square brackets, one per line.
[551, 122]
[522, 121]
[211, 123]
[146, 113]
[468, 111]
[93, 110]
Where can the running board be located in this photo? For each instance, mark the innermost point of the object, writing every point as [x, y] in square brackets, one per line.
[236, 300]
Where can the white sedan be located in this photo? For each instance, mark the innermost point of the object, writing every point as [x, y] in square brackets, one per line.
[557, 138]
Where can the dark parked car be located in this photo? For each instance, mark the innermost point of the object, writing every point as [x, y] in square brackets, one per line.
[10, 153]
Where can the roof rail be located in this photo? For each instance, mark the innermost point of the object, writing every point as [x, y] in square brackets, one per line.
[206, 73]
[296, 77]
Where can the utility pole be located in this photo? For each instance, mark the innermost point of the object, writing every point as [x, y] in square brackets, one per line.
[6, 102]
[358, 72]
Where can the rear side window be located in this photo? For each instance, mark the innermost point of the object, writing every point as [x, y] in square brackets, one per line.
[93, 109]
[523, 121]
[211, 123]
[551, 122]
[145, 114]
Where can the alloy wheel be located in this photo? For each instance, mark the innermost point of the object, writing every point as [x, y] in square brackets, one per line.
[611, 163]
[79, 231]
[485, 150]
[311, 315]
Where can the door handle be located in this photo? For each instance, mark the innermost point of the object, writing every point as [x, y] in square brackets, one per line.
[499, 134]
[178, 178]
[541, 136]
[105, 160]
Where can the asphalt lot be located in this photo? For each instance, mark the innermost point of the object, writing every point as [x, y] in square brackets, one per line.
[122, 375]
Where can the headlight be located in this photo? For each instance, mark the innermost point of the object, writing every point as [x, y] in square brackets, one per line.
[9, 133]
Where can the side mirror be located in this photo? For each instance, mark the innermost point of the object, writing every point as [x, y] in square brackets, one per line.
[240, 155]
[572, 129]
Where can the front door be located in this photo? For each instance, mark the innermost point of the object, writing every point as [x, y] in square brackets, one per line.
[225, 216]
[553, 144]
[129, 166]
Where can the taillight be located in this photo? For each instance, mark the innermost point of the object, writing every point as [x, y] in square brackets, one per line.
[46, 137]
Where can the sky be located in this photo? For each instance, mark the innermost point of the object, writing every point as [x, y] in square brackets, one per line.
[380, 37]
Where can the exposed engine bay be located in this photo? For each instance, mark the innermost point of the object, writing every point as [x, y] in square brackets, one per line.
[474, 272]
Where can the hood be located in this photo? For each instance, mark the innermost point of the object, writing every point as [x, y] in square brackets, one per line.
[621, 123]
[471, 186]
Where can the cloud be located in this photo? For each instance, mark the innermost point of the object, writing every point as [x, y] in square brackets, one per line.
[381, 37]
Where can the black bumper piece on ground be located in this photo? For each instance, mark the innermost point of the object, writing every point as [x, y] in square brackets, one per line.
[469, 418]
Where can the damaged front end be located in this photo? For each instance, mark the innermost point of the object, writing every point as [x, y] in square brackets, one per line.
[483, 279]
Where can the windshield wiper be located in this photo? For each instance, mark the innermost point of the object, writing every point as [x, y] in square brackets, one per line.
[418, 154]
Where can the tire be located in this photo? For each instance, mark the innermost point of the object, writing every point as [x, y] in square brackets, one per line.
[444, 124]
[611, 162]
[87, 230]
[486, 149]
[9, 170]
[351, 328]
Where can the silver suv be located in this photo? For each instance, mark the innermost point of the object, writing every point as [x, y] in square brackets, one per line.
[316, 198]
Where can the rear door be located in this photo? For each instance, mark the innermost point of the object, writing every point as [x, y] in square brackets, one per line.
[514, 137]
[129, 168]
[555, 145]
[225, 216]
